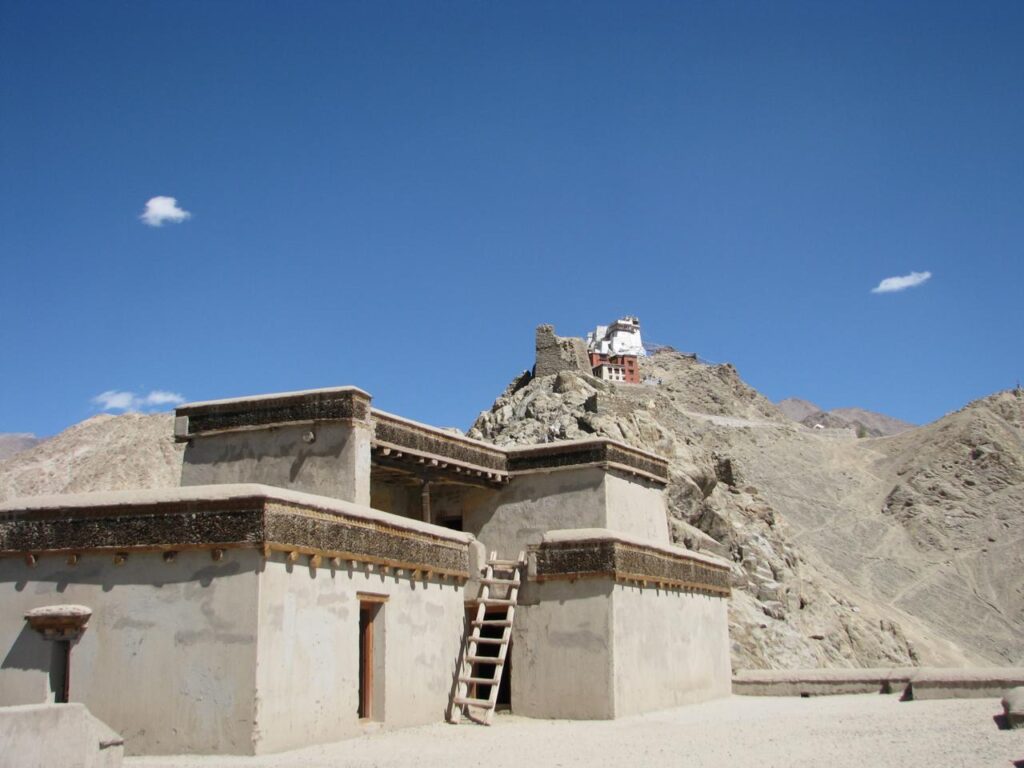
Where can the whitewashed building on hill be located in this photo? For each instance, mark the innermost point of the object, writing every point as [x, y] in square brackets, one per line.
[615, 350]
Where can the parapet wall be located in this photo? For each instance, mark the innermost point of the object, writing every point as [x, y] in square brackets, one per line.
[607, 454]
[592, 553]
[260, 411]
[228, 516]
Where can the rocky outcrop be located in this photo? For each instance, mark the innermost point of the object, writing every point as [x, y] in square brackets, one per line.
[784, 613]
[846, 551]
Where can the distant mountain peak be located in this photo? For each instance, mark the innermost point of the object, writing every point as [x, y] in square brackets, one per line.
[866, 423]
[798, 409]
[12, 443]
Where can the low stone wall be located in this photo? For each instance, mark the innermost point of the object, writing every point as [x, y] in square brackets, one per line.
[912, 682]
[819, 682]
[50, 735]
[932, 683]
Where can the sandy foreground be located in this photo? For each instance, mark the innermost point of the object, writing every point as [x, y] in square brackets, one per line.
[832, 731]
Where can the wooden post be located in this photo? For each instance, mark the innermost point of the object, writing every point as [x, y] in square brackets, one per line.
[425, 500]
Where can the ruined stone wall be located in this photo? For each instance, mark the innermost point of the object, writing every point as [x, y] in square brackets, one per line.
[556, 354]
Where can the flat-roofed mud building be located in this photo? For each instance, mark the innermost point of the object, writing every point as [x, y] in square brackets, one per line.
[314, 569]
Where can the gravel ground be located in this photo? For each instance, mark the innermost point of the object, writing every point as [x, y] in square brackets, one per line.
[833, 731]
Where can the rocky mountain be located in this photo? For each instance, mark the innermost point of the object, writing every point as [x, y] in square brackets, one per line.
[864, 423]
[102, 453]
[16, 442]
[955, 497]
[797, 409]
[830, 567]
[878, 424]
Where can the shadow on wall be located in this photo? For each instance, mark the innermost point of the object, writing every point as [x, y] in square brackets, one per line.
[148, 569]
[31, 652]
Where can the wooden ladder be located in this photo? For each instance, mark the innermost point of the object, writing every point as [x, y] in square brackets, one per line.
[510, 578]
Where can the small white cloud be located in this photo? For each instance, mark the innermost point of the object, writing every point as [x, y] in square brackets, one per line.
[115, 400]
[893, 284]
[112, 400]
[160, 397]
[160, 210]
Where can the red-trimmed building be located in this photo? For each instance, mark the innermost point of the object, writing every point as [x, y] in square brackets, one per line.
[615, 350]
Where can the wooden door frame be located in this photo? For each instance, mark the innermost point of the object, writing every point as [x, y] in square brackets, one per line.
[369, 613]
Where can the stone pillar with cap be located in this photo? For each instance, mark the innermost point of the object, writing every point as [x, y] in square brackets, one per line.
[63, 624]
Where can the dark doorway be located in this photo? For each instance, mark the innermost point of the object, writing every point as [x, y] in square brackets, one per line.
[480, 690]
[60, 672]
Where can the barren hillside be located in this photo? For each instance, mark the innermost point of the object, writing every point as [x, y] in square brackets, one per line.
[824, 575]
[877, 423]
[929, 522]
[104, 453]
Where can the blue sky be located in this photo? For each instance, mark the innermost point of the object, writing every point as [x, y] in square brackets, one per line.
[394, 195]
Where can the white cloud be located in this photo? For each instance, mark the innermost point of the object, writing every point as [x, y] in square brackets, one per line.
[111, 400]
[115, 400]
[160, 210]
[160, 397]
[893, 284]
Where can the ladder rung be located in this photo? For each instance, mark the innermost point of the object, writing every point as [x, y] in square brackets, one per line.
[491, 623]
[478, 680]
[485, 660]
[496, 601]
[509, 582]
[463, 701]
[487, 640]
[505, 564]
